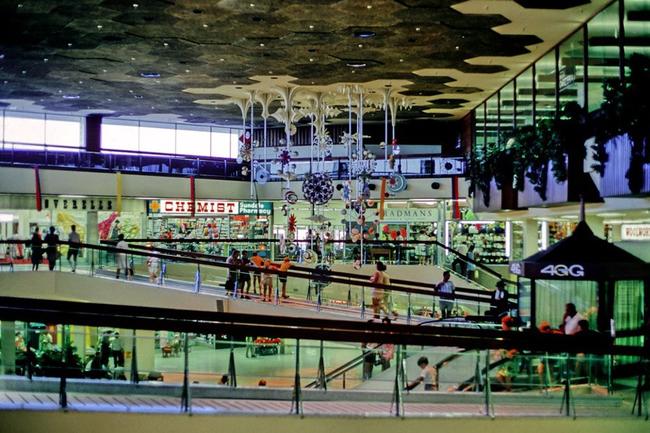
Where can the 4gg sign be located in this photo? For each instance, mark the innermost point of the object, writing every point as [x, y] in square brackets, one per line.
[561, 270]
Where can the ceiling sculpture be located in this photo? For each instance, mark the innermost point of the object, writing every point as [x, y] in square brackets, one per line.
[195, 59]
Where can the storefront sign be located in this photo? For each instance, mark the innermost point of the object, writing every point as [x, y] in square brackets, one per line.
[410, 215]
[635, 232]
[203, 207]
[77, 204]
[263, 208]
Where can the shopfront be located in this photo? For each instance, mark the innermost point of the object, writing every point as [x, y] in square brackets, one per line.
[95, 218]
[209, 219]
[495, 242]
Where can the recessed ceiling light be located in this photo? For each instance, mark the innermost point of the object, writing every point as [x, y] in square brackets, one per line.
[165, 44]
[205, 26]
[69, 44]
[261, 44]
[401, 60]
[2, 56]
[187, 71]
[364, 34]
[270, 72]
[311, 27]
[99, 26]
[457, 48]
[356, 64]
[133, 59]
[135, 5]
[368, 6]
[234, 82]
[417, 29]
[222, 59]
[45, 60]
[353, 71]
[70, 96]
[252, 5]
[81, 82]
[149, 74]
[311, 59]
[360, 45]
[313, 82]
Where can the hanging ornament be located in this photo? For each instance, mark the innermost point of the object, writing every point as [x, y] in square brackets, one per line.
[323, 143]
[397, 183]
[310, 257]
[291, 224]
[396, 150]
[261, 175]
[290, 197]
[245, 149]
[318, 188]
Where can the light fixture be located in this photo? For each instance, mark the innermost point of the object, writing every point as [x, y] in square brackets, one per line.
[165, 44]
[205, 26]
[149, 74]
[70, 96]
[368, 6]
[222, 59]
[356, 64]
[417, 29]
[360, 45]
[364, 34]
[99, 26]
[401, 60]
[252, 5]
[311, 27]
[72, 196]
[261, 44]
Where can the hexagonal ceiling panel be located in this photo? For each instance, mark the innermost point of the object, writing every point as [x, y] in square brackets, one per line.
[196, 59]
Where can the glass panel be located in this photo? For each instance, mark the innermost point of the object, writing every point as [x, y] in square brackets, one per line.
[156, 137]
[492, 124]
[119, 135]
[506, 122]
[525, 98]
[545, 82]
[572, 70]
[552, 296]
[63, 130]
[480, 129]
[637, 29]
[603, 52]
[26, 128]
[193, 140]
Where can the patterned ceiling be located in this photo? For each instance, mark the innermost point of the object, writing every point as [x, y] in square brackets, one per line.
[190, 59]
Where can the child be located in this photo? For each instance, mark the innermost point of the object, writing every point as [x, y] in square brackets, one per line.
[428, 376]
[284, 267]
[267, 281]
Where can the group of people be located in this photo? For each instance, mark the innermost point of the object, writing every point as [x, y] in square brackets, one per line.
[238, 281]
[51, 242]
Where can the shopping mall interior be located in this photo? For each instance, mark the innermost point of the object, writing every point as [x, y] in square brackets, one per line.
[361, 215]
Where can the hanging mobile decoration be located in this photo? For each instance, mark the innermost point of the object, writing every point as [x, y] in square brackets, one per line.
[245, 148]
[318, 188]
[397, 183]
[290, 197]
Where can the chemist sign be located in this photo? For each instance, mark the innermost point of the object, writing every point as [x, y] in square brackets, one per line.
[203, 207]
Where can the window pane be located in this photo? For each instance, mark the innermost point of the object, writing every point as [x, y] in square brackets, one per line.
[234, 142]
[119, 135]
[25, 128]
[506, 123]
[571, 70]
[193, 140]
[63, 130]
[637, 29]
[545, 82]
[156, 137]
[225, 143]
[603, 52]
[492, 122]
[525, 98]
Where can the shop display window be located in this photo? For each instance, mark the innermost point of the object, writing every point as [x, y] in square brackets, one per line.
[490, 239]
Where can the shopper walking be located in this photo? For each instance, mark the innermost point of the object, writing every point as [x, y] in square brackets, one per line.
[52, 251]
[120, 258]
[37, 249]
[446, 290]
[379, 294]
[231, 279]
[73, 247]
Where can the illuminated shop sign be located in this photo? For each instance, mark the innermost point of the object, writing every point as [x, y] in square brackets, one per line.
[210, 207]
[635, 232]
[203, 207]
[77, 204]
[410, 214]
